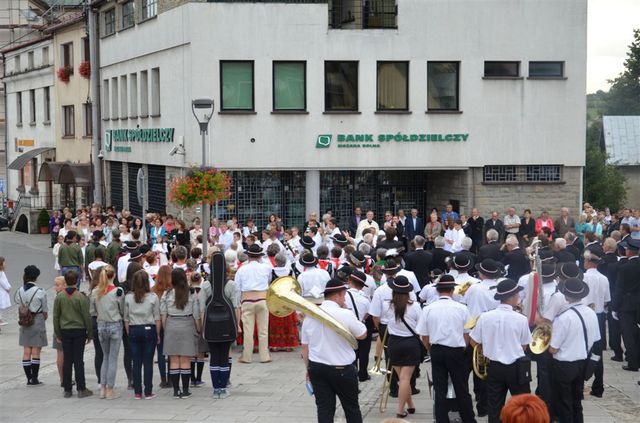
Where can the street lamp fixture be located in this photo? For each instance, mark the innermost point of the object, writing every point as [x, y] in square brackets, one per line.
[202, 109]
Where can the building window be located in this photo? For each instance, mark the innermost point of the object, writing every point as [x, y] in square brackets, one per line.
[144, 94]
[87, 111]
[110, 22]
[443, 85]
[16, 62]
[30, 60]
[502, 69]
[124, 97]
[546, 69]
[66, 56]
[523, 174]
[149, 8]
[289, 85]
[86, 52]
[45, 56]
[105, 99]
[68, 124]
[133, 95]
[359, 14]
[393, 86]
[114, 98]
[47, 105]
[128, 14]
[155, 92]
[340, 86]
[19, 108]
[236, 84]
[32, 107]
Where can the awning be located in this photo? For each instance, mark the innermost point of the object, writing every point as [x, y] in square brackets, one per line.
[24, 158]
[65, 173]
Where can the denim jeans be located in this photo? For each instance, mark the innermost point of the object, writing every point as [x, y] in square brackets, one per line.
[162, 362]
[142, 339]
[65, 269]
[109, 334]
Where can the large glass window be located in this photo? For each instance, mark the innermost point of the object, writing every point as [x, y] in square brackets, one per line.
[128, 14]
[393, 86]
[289, 86]
[340, 86]
[443, 85]
[110, 22]
[149, 8]
[502, 69]
[546, 69]
[236, 83]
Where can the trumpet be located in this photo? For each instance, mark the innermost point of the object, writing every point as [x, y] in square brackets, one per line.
[541, 338]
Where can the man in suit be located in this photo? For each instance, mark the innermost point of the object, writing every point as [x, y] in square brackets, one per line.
[354, 221]
[419, 261]
[494, 223]
[609, 268]
[573, 245]
[626, 303]
[564, 223]
[477, 229]
[516, 259]
[413, 225]
[492, 249]
[440, 254]
[560, 251]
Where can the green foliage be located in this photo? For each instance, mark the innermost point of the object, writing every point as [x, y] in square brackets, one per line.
[43, 219]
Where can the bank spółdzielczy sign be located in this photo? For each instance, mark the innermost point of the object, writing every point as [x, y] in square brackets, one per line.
[376, 141]
[151, 135]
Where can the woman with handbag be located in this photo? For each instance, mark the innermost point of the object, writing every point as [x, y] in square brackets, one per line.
[405, 348]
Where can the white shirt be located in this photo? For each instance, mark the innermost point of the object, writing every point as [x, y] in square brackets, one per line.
[380, 303]
[313, 281]
[548, 289]
[502, 333]
[123, 263]
[599, 293]
[96, 264]
[408, 274]
[567, 334]
[253, 276]
[456, 236]
[443, 322]
[428, 294]
[358, 300]
[557, 304]
[411, 316]
[225, 239]
[480, 298]
[325, 345]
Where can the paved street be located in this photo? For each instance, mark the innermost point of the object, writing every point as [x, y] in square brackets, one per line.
[261, 392]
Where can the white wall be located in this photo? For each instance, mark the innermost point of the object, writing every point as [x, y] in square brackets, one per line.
[508, 121]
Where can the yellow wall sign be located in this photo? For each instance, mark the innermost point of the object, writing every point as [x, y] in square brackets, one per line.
[26, 143]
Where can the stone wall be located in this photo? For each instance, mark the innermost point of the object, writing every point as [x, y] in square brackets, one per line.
[632, 173]
[537, 197]
[444, 186]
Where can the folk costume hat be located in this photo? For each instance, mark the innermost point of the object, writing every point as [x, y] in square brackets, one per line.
[307, 242]
[130, 245]
[135, 255]
[400, 284]
[390, 267]
[334, 285]
[255, 250]
[489, 267]
[462, 261]
[593, 253]
[445, 281]
[358, 277]
[574, 288]
[548, 272]
[308, 260]
[340, 239]
[357, 258]
[507, 288]
[569, 270]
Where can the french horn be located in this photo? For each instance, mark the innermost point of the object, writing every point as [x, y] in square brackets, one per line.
[480, 362]
[540, 339]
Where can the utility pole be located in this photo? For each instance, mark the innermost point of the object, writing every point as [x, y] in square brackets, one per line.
[94, 60]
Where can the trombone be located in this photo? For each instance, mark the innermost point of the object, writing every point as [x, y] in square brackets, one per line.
[375, 370]
[386, 380]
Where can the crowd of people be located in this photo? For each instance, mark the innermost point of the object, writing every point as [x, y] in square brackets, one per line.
[404, 286]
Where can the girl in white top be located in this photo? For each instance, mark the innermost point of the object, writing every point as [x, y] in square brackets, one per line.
[56, 249]
[5, 289]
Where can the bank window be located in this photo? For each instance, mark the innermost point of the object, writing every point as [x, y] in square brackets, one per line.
[340, 86]
[66, 56]
[393, 86]
[45, 56]
[105, 99]
[155, 92]
[523, 174]
[87, 111]
[546, 69]
[501, 69]
[236, 84]
[149, 8]
[47, 105]
[289, 86]
[133, 95]
[144, 94]
[30, 60]
[443, 86]
[110, 22]
[544, 173]
[124, 97]
[32, 107]
[19, 109]
[114, 98]
[128, 14]
[68, 122]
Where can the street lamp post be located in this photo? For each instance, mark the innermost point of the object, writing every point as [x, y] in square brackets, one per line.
[202, 109]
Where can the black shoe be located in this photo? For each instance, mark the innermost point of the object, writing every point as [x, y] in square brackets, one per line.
[482, 414]
[176, 395]
[34, 382]
[597, 395]
[185, 394]
[165, 385]
[415, 391]
[616, 358]
[364, 379]
[639, 382]
[68, 394]
[630, 369]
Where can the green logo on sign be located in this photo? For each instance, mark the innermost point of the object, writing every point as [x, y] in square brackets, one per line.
[323, 141]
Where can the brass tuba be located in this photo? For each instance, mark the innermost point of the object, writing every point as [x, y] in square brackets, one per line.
[541, 338]
[480, 362]
[285, 296]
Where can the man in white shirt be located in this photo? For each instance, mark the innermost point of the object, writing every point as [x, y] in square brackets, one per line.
[225, 236]
[329, 358]
[367, 223]
[569, 348]
[441, 327]
[123, 261]
[313, 279]
[392, 254]
[479, 297]
[504, 336]
[358, 301]
[511, 222]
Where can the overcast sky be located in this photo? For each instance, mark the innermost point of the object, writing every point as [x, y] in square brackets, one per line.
[610, 31]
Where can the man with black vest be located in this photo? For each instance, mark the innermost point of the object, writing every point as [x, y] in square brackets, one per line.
[419, 261]
[626, 303]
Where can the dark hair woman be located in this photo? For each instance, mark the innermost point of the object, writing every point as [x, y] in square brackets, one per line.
[181, 322]
[163, 284]
[142, 323]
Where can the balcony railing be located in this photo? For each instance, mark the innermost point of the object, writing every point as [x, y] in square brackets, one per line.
[348, 14]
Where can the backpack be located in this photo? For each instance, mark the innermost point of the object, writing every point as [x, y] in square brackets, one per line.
[26, 317]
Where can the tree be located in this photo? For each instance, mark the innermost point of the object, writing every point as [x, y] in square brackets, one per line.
[624, 96]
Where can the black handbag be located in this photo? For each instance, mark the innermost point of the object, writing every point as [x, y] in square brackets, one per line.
[423, 350]
[590, 365]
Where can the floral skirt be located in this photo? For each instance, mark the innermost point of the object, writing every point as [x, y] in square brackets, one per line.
[283, 331]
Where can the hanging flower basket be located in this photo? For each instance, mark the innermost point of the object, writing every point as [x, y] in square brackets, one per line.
[64, 73]
[201, 185]
[85, 69]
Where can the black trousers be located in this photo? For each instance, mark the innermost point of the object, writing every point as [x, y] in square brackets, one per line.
[602, 325]
[73, 341]
[567, 387]
[502, 378]
[393, 383]
[630, 336]
[219, 353]
[97, 359]
[615, 335]
[127, 359]
[329, 381]
[597, 387]
[362, 353]
[543, 364]
[445, 362]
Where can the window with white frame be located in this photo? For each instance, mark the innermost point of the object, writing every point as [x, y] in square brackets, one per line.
[32, 107]
[47, 104]
[144, 94]
[19, 109]
[124, 97]
[155, 92]
[128, 14]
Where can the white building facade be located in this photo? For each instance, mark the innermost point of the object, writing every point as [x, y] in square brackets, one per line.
[378, 104]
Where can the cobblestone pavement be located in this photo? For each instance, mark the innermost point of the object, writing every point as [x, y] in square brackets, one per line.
[272, 392]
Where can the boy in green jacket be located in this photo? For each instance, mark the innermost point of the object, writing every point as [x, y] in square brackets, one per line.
[73, 329]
